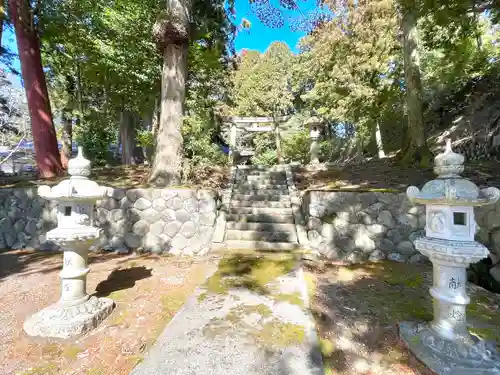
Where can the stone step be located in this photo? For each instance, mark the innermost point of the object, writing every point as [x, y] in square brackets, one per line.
[255, 191]
[260, 211]
[260, 245]
[255, 235]
[261, 197]
[266, 227]
[262, 174]
[260, 218]
[255, 186]
[264, 180]
[261, 203]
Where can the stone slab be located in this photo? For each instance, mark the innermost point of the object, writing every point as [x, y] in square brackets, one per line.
[444, 357]
[56, 321]
[186, 347]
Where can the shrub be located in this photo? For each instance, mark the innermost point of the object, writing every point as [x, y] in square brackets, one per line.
[95, 140]
[198, 145]
[296, 147]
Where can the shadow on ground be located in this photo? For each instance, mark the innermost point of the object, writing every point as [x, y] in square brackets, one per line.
[28, 262]
[121, 279]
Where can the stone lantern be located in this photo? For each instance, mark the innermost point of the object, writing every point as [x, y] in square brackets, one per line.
[315, 125]
[445, 345]
[76, 312]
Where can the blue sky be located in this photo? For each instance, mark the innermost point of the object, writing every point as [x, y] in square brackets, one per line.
[258, 37]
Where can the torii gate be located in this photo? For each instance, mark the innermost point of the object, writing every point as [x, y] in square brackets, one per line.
[234, 125]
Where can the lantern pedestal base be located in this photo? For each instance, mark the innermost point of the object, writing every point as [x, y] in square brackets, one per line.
[443, 356]
[59, 321]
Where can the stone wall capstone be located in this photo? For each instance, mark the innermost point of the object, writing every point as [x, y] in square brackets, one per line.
[176, 221]
[358, 226]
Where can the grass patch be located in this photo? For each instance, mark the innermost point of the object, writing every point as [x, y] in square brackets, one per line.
[71, 352]
[117, 295]
[120, 318]
[202, 297]
[326, 346]
[291, 298]
[252, 271]
[281, 335]
[310, 283]
[47, 369]
[392, 273]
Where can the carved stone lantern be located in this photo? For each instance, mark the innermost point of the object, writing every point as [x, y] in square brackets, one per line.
[445, 345]
[76, 312]
[315, 126]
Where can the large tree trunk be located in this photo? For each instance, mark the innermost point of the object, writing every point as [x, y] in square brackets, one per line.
[415, 150]
[42, 126]
[67, 137]
[172, 33]
[155, 121]
[378, 140]
[127, 137]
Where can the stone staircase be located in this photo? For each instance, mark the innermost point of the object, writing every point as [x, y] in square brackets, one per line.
[260, 211]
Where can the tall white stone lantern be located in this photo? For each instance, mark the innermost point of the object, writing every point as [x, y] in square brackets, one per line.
[445, 345]
[315, 125]
[76, 312]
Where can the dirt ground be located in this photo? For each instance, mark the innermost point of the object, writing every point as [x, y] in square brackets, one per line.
[133, 176]
[148, 290]
[357, 309]
[386, 175]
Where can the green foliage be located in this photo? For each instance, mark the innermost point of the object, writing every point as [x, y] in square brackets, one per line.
[95, 139]
[267, 158]
[198, 145]
[265, 149]
[261, 82]
[296, 147]
[145, 138]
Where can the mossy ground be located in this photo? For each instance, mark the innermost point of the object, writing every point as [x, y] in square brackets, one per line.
[254, 272]
[249, 270]
[369, 300]
[265, 330]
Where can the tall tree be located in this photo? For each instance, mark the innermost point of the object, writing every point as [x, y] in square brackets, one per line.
[415, 150]
[28, 44]
[172, 33]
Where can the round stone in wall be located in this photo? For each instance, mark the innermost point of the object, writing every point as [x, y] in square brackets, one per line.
[396, 257]
[142, 204]
[172, 228]
[140, 228]
[406, 248]
[376, 256]
[385, 218]
[188, 229]
[355, 257]
[182, 216]
[157, 228]
[132, 241]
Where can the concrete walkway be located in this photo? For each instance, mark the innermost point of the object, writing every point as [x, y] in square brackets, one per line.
[240, 332]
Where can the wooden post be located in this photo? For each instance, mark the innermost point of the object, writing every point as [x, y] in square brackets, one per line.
[232, 142]
[278, 140]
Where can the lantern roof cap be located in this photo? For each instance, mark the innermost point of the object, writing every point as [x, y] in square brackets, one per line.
[449, 188]
[78, 187]
[313, 121]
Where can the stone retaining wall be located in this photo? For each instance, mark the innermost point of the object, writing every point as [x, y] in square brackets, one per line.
[24, 217]
[177, 221]
[358, 226]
